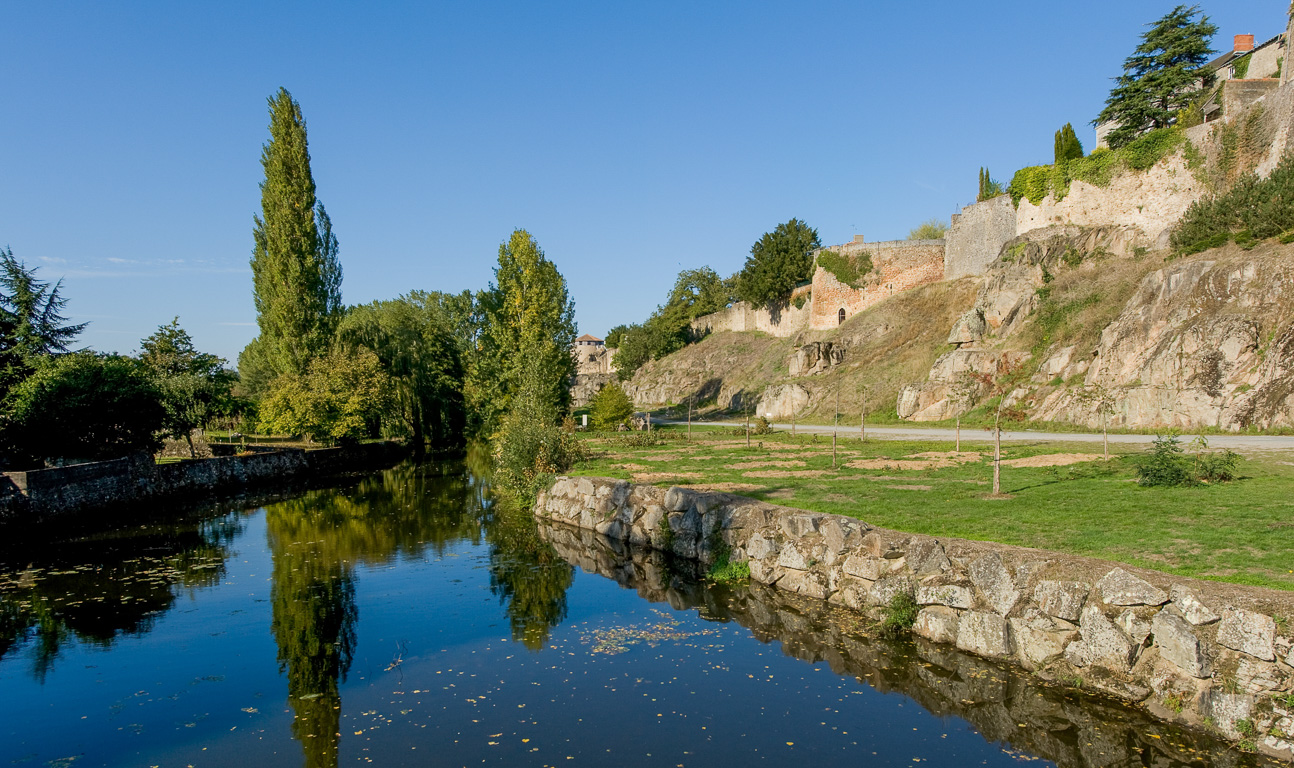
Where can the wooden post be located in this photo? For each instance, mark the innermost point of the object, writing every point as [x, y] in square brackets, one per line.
[689, 419]
[792, 419]
[747, 426]
[997, 451]
[862, 418]
[835, 426]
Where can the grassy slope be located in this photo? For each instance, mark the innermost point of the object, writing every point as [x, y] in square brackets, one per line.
[1240, 532]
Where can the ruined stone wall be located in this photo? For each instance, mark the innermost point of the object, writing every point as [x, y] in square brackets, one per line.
[977, 235]
[898, 265]
[1186, 650]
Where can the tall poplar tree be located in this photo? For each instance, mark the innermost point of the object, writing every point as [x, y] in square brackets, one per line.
[527, 321]
[295, 272]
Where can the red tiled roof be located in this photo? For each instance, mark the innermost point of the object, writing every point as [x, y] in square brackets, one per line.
[587, 337]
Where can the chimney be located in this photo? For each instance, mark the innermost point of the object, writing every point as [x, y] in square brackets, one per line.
[1244, 43]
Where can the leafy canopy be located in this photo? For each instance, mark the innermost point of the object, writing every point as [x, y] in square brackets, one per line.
[420, 340]
[611, 408]
[526, 322]
[194, 386]
[930, 229]
[1162, 77]
[342, 397]
[81, 405]
[696, 292]
[778, 261]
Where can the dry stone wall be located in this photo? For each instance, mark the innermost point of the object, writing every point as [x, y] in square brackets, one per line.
[1186, 650]
[781, 322]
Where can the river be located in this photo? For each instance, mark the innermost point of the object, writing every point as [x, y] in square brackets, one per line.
[406, 619]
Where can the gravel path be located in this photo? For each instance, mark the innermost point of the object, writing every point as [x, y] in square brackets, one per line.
[1234, 442]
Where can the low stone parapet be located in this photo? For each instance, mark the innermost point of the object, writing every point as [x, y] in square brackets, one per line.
[1190, 651]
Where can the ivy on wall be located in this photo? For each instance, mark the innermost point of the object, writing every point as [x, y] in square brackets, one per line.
[850, 271]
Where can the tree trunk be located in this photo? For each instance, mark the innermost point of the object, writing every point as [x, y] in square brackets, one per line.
[193, 452]
[1105, 438]
[957, 448]
[862, 419]
[689, 419]
[747, 426]
[419, 437]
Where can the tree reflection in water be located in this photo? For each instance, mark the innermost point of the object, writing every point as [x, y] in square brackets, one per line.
[96, 588]
[318, 538]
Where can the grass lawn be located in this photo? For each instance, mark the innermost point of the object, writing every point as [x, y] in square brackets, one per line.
[1241, 532]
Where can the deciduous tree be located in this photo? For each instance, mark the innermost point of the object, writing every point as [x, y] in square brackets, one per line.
[296, 275]
[527, 328]
[194, 386]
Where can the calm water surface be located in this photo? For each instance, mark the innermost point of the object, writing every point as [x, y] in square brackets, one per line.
[405, 620]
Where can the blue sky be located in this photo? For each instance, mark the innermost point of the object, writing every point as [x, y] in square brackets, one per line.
[632, 139]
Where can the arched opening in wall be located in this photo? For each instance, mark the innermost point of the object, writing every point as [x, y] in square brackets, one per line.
[593, 358]
[840, 316]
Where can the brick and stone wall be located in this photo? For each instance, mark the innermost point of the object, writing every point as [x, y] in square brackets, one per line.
[977, 235]
[898, 265]
[1222, 654]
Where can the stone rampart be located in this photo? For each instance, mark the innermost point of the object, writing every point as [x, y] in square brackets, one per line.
[1152, 201]
[45, 494]
[781, 322]
[897, 266]
[977, 235]
[1191, 651]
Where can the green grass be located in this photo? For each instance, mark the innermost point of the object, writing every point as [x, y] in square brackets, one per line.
[1238, 532]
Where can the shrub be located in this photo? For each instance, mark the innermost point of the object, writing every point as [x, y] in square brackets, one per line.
[82, 406]
[530, 448]
[847, 270]
[1165, 465]
[723, 570]
[1098, 168]
[931, 229]
[1253, 209]
[762, 426]
[1218, 467]
[611, 408]
[900, 615]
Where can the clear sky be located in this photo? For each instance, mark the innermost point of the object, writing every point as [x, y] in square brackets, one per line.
[632, 139]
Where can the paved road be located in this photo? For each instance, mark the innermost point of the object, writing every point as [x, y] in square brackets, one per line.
[1234, 442]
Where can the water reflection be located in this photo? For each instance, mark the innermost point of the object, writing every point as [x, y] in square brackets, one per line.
[1074, 731]
[317, 540]
[94, 589]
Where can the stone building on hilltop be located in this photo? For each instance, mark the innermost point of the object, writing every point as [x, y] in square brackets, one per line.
[594, 369]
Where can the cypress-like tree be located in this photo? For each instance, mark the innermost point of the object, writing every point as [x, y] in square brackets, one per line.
[988, 188]
[1161, 77]
[778, 261]
[295, 272]
[1068, 147]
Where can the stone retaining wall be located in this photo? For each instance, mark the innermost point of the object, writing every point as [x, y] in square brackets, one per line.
[1191, 651]
[897, 265]
[44, 494]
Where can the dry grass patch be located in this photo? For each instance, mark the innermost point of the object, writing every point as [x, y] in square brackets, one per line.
[1052, 460]
[903, 465]
[630, 467]
[911, 487]
[791, 473]
[758, 464]
[660, 477]
[726, 487]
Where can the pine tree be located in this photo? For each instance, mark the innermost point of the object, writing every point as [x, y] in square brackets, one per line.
[295, 272]
[1068, 147]
[1163, 76]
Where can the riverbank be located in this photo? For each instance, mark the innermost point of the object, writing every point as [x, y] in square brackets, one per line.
[43, 495]
[1204, 654]
[1056, 495]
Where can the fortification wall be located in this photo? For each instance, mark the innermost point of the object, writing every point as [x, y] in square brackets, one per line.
[1217, 650]
[781, 322]
[898, 265]
[1151, 201]
[977, 235]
